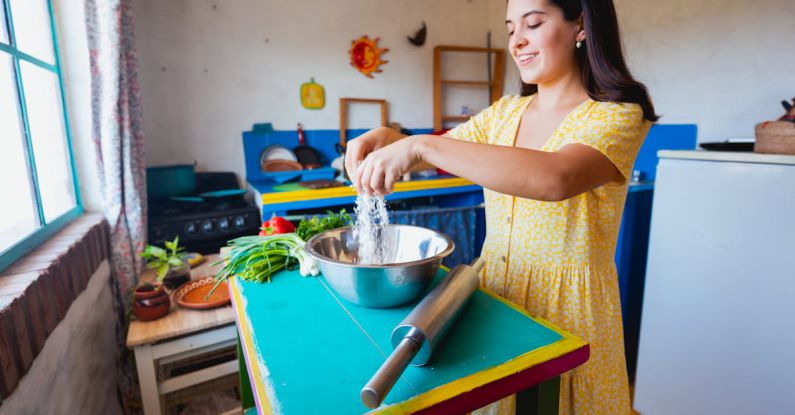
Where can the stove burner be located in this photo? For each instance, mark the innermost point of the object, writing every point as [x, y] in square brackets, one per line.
[202, 226]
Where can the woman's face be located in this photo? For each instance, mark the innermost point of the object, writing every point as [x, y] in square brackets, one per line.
[541, 40]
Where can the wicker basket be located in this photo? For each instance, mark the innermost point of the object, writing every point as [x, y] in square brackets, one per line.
[775, 137]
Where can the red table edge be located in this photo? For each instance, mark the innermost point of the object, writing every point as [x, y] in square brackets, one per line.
[507, 386]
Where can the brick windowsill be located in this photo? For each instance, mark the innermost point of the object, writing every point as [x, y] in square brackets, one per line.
[37, 290]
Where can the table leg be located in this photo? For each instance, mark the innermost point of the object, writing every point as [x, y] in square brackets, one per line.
[145, 364]
[542, 399]
[246, 395]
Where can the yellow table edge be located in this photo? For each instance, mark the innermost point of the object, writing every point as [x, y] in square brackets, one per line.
[255, 375]
[346, 191]
[566, 344]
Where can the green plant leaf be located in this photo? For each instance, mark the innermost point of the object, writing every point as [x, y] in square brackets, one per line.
[158, 252]
[162, 270]
[175, 261]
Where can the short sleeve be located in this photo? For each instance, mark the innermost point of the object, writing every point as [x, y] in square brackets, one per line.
[616, 130]
[478, 129]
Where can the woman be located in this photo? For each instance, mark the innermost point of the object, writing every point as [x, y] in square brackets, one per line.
[554, 164]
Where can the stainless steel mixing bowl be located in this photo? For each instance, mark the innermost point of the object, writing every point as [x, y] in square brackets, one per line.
[413, 257]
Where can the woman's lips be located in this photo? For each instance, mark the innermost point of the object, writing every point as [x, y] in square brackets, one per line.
[525, 59]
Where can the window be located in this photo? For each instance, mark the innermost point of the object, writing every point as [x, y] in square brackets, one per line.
[39, 193]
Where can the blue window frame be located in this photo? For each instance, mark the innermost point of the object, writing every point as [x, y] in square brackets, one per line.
[40, 193]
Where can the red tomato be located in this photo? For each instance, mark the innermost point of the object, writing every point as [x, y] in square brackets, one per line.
[276, 225]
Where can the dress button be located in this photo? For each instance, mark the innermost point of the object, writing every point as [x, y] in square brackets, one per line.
[507, 219]
[503, 258]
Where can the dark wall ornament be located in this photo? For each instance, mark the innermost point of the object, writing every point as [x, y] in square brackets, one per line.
[419, 38]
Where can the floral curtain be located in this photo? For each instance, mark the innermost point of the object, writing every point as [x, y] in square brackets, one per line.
[119, 144]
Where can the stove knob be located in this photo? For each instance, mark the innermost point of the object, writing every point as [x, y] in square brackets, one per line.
[223, 223]
[190, 228]
[240, 221]
[157, 233]
[207, 226]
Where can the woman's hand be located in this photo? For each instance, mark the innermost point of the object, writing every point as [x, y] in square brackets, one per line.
[380, 170]
[359, 148]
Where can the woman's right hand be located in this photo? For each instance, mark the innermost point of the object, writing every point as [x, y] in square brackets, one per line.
[358, 148]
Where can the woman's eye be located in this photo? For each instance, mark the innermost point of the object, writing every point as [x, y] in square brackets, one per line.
[534, 26]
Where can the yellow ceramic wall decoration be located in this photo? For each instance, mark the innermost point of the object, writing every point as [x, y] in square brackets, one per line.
[313, 95]
[366, 56]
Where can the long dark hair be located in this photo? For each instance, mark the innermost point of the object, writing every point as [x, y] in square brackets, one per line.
[603, 69]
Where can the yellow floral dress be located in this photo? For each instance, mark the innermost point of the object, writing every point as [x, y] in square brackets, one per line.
[556, 259]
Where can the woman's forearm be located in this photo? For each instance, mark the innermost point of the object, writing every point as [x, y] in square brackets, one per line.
[520, 172]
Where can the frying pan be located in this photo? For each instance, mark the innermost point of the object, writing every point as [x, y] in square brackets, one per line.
[310, 157]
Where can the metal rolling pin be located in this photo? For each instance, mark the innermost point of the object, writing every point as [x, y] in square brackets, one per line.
[416, 336]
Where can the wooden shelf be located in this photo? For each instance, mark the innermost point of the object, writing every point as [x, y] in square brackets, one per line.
[494, 87]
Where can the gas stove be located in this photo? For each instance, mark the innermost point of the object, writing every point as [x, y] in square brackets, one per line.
[204, 226]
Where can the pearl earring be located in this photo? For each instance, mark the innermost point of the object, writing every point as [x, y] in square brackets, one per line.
[578, 44]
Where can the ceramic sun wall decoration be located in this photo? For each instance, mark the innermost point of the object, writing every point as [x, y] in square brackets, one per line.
[313, 95]
[366, 56]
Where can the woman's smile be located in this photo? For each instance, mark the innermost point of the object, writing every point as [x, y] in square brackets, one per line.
[525, 59]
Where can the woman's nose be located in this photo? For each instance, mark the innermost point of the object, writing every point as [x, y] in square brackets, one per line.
[518, 41]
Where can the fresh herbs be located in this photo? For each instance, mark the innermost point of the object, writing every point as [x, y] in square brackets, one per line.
[164, 259]
[257, 258]
[311, 227]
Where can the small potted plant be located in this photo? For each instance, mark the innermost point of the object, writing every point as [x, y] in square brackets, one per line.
[171, 264]
[150, 302]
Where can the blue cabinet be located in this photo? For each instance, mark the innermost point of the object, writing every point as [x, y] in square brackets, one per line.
[633, 238]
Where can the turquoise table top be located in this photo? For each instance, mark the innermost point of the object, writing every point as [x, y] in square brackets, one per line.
[309, 352]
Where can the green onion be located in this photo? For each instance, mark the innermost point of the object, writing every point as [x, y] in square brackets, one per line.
[257, 258]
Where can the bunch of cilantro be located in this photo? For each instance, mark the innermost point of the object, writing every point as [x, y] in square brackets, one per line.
[308, 228]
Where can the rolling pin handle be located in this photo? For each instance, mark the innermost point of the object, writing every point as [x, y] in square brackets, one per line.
[381, 383]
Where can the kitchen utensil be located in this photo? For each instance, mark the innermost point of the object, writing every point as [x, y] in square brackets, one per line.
[413, 253]
[339, 162]
[306, 155]
[729, 145]
[321, 184]
[223, 194]
[163, 182]
[288, 187]
[192, 294]
[186, 199]
[281, 165]
[276, 152]
[417, 335]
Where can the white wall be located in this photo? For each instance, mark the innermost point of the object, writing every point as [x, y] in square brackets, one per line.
[75, 372]
[721, 64]
[210, 69]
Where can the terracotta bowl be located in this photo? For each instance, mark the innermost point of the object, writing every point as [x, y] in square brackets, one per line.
[191, 294]
[152, 304]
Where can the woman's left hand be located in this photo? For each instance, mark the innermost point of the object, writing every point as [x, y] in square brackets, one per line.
[378, 172]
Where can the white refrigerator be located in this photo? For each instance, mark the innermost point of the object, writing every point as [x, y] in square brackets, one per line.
[718, 320]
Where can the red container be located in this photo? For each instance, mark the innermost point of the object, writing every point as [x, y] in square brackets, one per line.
[150, 304]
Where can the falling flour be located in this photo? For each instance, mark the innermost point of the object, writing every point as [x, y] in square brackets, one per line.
[371, 222]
